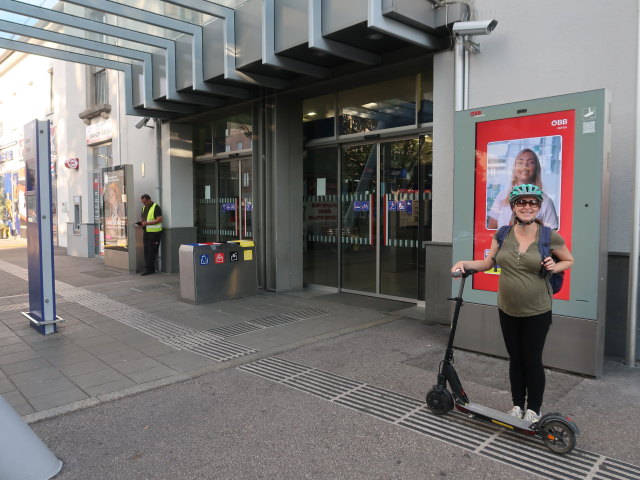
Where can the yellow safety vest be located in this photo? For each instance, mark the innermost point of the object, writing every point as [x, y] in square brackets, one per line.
[150, 218]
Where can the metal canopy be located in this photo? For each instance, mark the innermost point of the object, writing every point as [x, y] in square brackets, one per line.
[182, 56]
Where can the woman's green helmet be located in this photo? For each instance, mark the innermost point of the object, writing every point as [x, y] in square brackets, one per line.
[526, 190]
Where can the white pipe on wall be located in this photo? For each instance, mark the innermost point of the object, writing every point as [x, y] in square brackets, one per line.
[460, 74]
[632, 302]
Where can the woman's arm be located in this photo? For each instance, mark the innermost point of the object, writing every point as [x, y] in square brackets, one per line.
[565, 260]
[478, 265]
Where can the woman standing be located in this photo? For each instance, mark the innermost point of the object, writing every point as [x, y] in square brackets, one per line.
[526, 170]
[524, 296]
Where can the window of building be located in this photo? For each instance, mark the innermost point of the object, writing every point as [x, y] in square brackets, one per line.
[99, 88]
[378, 106]
[401, 102]
[50, 72]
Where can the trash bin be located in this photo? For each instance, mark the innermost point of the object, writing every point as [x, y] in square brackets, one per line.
[212, 272]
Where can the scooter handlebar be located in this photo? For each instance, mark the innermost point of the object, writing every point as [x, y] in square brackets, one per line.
[460, 274]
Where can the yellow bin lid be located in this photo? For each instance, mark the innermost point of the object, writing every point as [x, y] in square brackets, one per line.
[243, 243]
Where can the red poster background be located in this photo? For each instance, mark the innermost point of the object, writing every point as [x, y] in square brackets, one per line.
[556, 123]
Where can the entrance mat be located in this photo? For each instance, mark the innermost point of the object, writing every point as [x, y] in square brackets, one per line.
[104, 273]
[362, 301]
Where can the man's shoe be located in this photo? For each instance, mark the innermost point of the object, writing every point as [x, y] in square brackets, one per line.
[146, 272]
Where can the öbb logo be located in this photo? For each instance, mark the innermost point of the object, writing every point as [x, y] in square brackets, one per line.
[559, 122]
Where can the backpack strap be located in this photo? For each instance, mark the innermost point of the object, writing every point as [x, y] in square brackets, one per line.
[544, 242]
[502, 234]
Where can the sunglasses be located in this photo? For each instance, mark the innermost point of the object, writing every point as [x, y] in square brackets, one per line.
[532, 203]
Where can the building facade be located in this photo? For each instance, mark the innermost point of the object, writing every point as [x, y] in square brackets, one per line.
[322, 130]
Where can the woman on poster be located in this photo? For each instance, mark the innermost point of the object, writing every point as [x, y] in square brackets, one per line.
[526, 170]
[524, 296]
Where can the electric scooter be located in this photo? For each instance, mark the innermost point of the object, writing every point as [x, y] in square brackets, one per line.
[557, 431]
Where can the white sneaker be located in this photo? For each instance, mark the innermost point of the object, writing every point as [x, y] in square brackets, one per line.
[516, 411]
[531, 416]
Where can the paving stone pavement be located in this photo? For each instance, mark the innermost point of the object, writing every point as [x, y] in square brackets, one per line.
[123, 333]
[251, 387]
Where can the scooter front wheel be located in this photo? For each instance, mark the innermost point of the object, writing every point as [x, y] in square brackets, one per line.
[439, 400]
[558, 436]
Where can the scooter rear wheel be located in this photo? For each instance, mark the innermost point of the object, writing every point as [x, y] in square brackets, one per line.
[558, 437]
[439, 400]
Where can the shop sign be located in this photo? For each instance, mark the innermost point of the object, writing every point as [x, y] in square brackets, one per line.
[99, 132]
[72, 163]
[6, 155]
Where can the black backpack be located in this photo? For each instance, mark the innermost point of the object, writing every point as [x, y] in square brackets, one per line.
[544, 246]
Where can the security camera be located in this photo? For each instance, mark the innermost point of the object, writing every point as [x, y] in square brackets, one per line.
[476, 27]
[142, 123]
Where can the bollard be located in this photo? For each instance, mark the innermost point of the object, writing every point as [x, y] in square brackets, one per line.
[23, 456]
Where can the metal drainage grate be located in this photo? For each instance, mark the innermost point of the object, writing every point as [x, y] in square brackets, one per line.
[289, 317]
[235, 329]
[456, 429]
[270, 321]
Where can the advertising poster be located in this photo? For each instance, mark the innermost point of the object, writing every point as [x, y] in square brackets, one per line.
[536, 149]
[115, 217]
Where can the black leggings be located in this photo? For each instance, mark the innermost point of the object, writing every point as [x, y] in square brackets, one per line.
[524, 338]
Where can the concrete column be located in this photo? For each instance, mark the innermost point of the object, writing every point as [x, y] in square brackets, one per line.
[177, 192]
[283, 228]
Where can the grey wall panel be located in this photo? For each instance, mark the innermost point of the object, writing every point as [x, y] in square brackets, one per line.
[500, 53]
[617, 297]
[479, 330]
[437, 288]
[172, 238]
[184, 62]
[339, 14]
[422, 15]
[291, 22]
[213, 39]
[249, 33]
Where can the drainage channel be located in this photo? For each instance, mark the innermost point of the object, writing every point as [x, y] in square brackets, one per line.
[500, 445]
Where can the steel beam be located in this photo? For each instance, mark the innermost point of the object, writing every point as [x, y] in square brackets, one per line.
[167, 88]
[104, 48]
[195, 31]
[390, 26]
[227, 15]
[73, 57]
[318, 42]
[269, 56]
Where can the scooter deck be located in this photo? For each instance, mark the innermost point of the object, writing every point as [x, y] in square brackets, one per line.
[495, 416]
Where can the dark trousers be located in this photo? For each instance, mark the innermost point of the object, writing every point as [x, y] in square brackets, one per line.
[151, 242]
[524, 338]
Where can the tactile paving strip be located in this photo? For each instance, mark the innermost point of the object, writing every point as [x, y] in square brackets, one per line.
[269, 321]
[517, 451]
[170, 333]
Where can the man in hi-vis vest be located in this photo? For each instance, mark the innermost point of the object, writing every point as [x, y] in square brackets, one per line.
[151, 221]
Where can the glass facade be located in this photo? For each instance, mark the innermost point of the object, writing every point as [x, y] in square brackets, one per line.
[224, 178]
[367, 203]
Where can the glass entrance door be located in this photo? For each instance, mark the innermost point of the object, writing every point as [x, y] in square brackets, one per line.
[405, 203]
[384, 217]
[359, 219]
[224, 200]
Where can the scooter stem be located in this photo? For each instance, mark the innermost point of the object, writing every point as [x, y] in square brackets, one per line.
[454, 323]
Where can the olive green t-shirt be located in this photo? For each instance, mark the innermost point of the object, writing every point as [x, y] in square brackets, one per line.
[521, 290]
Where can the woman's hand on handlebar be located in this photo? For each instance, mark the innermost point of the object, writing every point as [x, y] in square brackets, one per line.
[457, 268]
